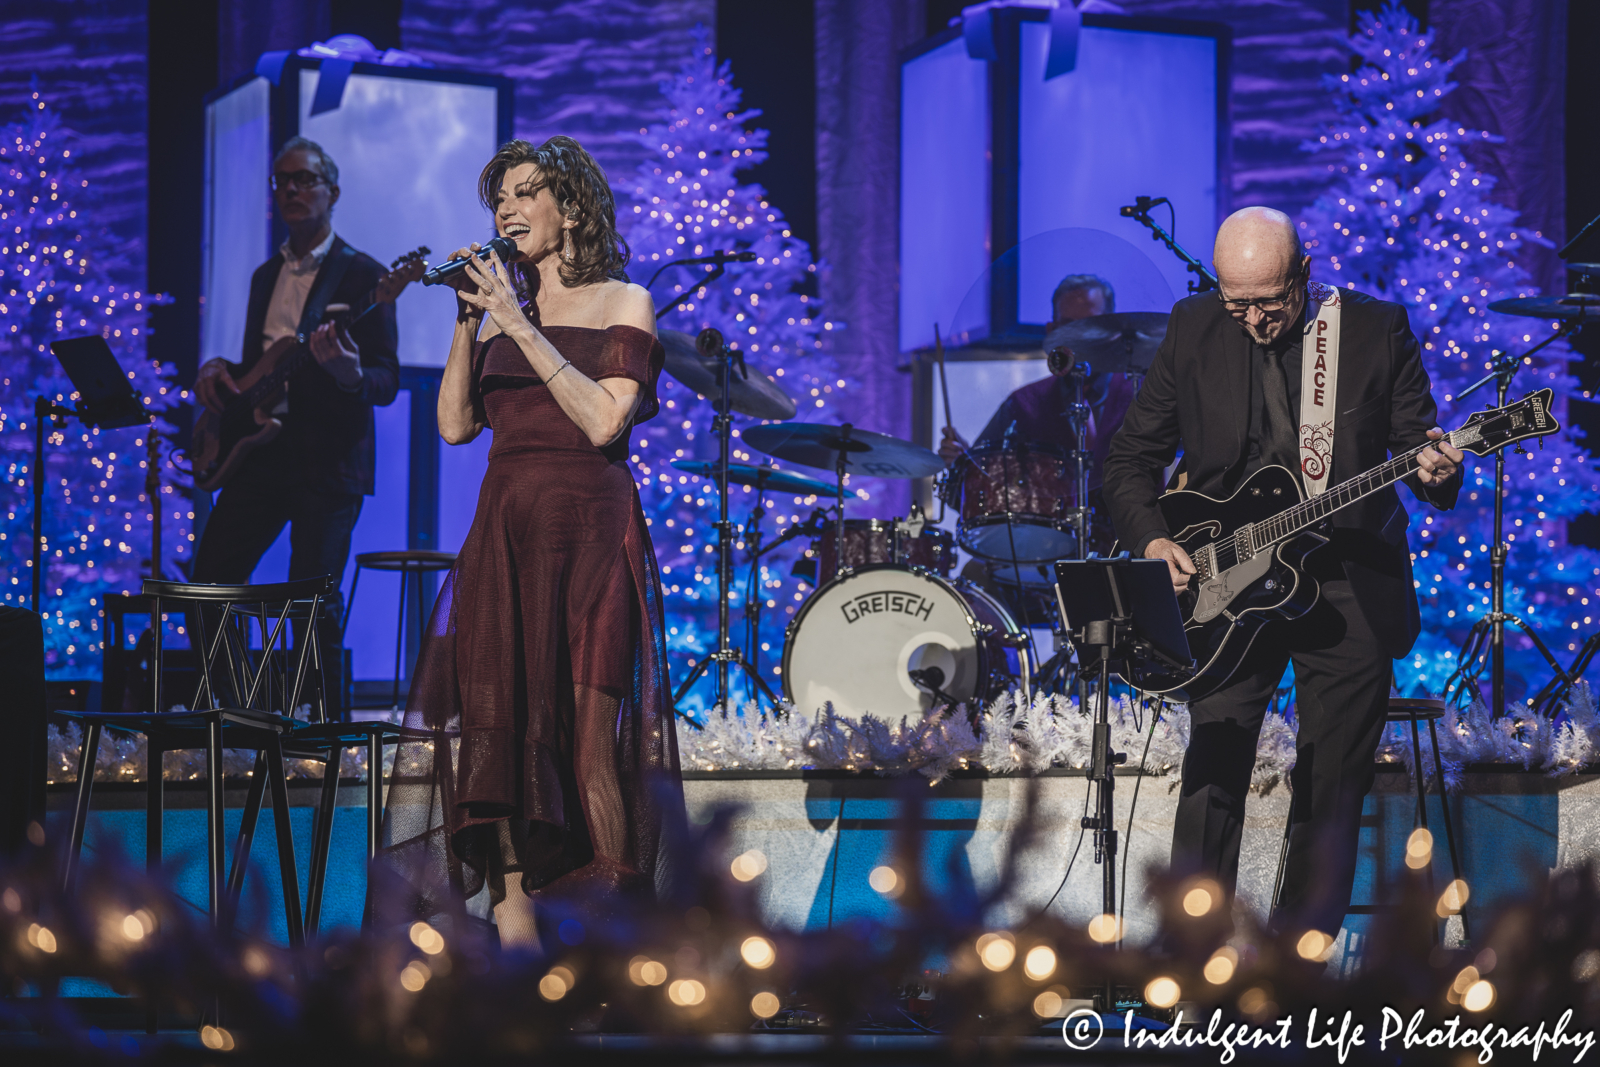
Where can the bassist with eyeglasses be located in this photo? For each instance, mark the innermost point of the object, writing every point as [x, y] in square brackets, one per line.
[287, 433]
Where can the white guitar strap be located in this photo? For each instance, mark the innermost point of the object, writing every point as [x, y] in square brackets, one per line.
[1319, 386]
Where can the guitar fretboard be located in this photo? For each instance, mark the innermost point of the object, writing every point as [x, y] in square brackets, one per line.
[259, 392]
[1247, 541]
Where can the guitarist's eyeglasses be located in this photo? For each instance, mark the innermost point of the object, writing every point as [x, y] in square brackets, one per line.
[1266, 304]
[300, 179]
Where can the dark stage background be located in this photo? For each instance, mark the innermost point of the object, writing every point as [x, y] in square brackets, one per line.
[130, 79]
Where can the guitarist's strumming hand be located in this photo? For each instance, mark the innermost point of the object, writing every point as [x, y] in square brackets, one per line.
[214, 386]
[329, 348]
[1179, 565]
[1440, 463]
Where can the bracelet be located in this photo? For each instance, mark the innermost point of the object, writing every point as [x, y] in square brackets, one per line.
[559, 369]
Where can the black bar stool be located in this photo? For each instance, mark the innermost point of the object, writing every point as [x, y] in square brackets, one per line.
[245, 698]
[417, 561]
[1411, 710]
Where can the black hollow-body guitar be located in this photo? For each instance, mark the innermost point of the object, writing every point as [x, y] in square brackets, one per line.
[1249, 551]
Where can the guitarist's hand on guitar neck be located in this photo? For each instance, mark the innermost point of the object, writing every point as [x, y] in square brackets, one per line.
[214, 385]
[1439, 464]
[1179, 565]
[329, 349]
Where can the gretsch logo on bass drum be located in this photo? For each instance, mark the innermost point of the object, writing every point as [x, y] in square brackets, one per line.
[887, 603]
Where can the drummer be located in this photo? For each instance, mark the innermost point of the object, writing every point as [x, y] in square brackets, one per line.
[1038, 414]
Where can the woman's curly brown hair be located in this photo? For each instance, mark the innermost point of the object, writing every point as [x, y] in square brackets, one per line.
[579, 185]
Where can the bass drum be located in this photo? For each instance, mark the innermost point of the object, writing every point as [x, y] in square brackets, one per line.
[857, 639]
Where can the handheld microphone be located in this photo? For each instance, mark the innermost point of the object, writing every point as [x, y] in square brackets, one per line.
[505, 247]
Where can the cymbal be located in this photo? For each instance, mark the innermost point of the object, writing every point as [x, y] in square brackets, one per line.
[1584, 268]
[867, 454]
[1119, 341]
[760, 477]
[1571, 306]
[757, 396]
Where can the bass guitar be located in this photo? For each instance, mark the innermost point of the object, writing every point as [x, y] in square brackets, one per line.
[223, 439]
[1249, 551]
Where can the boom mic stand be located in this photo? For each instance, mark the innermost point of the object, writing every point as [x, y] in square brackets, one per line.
[710, 344]
[1489, 632]
[1203, 281]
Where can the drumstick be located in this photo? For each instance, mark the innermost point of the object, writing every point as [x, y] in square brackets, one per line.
[944, 385]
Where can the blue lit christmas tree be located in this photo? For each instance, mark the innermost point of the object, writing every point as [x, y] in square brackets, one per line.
[1408, 218]
[688, 201]
[55, 283]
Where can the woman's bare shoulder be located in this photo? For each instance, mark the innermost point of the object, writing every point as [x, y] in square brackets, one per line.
[628, 304]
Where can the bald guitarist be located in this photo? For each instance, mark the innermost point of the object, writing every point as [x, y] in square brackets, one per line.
[314, 474]
[1277, 370]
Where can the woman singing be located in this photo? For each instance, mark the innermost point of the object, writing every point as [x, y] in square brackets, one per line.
[544, 664]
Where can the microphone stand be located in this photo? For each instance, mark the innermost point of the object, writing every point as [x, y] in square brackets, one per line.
[719, 261]
[1203, 281]
[1490, 630]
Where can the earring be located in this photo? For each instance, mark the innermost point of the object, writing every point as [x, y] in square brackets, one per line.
[567, 251]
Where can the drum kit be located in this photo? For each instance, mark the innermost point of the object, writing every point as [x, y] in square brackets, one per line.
[890, 628]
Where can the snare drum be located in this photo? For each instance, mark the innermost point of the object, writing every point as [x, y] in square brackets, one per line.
[1015, 499]
[871, 541]
[855, 642]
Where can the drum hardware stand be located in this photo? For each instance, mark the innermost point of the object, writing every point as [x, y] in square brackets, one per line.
[1078, 411]
[710, 343]
[1203, 281]
[752, 603]
[1489, 632]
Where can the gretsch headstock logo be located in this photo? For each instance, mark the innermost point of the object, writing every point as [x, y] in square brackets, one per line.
[1538, 412]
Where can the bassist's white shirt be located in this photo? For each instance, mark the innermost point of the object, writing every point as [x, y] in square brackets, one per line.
[289, 295]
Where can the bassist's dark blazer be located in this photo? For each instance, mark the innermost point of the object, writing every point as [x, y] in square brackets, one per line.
[1197, 396]
[327, 439]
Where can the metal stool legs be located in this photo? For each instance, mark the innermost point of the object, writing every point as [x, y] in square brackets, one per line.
[1401, 710]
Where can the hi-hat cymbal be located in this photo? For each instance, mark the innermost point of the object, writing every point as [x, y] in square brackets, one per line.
[1571, 306]
[867, 454]
[757, 396]
[1123, 341]
[760, 477]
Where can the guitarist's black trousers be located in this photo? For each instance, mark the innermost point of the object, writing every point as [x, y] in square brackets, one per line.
[1342, 675]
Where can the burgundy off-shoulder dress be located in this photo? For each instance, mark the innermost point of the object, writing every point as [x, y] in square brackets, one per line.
[542, 677]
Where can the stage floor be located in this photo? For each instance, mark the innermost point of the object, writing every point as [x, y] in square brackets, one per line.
[824, 831]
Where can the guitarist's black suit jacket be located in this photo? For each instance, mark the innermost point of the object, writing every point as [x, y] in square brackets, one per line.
[1197, 395]
[327, 439]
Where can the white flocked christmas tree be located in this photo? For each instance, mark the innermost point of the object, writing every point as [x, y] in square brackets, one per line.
[57, 281]
[687, 200]
[1408, 217]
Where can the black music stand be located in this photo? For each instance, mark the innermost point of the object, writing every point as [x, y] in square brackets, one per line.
[105, 399]
[1116, 610]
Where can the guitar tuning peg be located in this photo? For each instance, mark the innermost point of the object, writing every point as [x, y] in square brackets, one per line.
[1519, 450]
